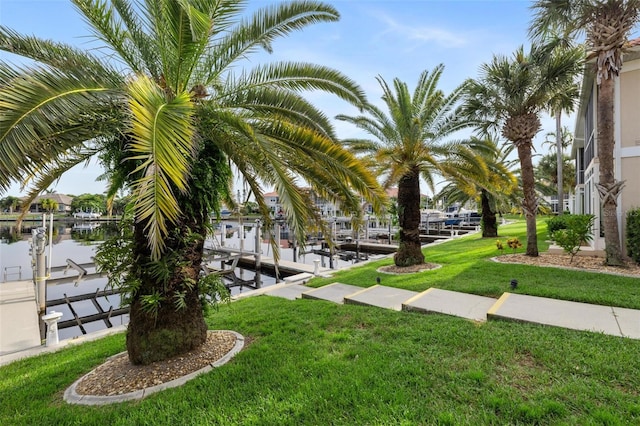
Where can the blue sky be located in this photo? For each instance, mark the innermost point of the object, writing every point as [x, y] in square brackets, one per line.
[373, 37]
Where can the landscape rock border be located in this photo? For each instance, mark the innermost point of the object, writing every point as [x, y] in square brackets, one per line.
[405, 270]
[72, 397]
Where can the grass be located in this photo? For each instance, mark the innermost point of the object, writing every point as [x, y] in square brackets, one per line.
[317, 363]
[467, 267]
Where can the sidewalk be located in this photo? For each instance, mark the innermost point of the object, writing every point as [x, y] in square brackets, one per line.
[608, 320]
[18, 317]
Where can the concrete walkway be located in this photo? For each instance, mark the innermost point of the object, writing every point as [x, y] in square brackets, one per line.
[609, 320]
[18, 317]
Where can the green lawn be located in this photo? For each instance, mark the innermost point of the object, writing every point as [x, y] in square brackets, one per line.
[316, 363]
[466, 267]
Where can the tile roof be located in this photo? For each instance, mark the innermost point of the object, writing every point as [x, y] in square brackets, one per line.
[633, 43]
[58, 198]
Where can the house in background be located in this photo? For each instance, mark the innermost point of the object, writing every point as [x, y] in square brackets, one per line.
[63, 201]
[627, 145]
[324, 207]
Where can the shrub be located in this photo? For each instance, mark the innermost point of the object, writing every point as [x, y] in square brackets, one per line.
[633, 234]
[514, 243]
[556, 223]
[499, 246]
[577, 232]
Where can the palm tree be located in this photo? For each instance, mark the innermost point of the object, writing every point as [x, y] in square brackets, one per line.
[408, 144]
[10, 203]
[49, 205]
[607, 24]
[547, 174]
[562, 138]
[563, 101]
[166, 114]
[551, 139]
[509, 95]
[485, 178]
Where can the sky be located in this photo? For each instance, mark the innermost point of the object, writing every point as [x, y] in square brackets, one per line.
[391, 39]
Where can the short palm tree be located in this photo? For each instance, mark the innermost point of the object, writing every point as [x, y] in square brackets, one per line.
[509, 95]
[167, 106]
[49, 205]
[409, 143]
[547, 174]
[607, 24]
[10, 203]
[484, 178]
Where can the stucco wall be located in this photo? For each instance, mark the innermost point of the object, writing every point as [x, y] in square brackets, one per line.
[630, 108]
[631, 193]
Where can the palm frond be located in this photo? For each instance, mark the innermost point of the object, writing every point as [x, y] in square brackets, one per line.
[162, 143]
[45, 113]
[298, 76]
[259, 31]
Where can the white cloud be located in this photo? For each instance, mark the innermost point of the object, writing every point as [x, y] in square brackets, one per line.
[420, 35]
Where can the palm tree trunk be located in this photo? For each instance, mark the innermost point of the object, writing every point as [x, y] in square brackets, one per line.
[410, 250]
[559, 152]
[489, 221]
[609, 191]
[529, 203]
[169, 331]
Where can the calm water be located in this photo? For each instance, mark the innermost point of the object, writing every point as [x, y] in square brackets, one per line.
[78, 242]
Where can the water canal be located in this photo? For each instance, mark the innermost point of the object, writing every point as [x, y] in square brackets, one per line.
[78, 241]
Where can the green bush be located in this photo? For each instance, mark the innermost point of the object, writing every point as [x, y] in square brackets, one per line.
[577, 232]
[633, 234]
[556, 223]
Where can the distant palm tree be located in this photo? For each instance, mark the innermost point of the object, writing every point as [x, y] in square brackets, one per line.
[49, 205]
[547, 174]
[10, 203]
[166, 110]
[485, 178]
[509, 95]
[564, 101]
[607, 24]
[409, 142]
[551, 139]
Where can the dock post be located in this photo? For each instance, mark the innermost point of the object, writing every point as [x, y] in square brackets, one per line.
[293, 245]
[40, 276]
[52, 319]
[278, 236]
[258, 251]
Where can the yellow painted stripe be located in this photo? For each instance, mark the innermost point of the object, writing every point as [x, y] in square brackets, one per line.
[362, 291]
[417, 296]
[499, 303]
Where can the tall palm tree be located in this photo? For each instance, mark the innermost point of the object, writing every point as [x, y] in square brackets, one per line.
[607, 24]
[563, 101]
[409, 143]
[166, 111]
[551, 139]
[485, 178]
[564, 173]
[509, 95]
